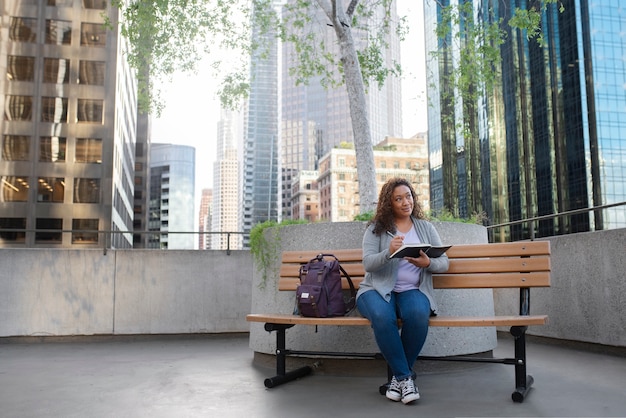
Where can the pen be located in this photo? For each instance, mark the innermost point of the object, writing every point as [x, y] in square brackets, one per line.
[390, 234]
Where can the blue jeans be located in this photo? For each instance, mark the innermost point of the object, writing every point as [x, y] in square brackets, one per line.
[400, 348]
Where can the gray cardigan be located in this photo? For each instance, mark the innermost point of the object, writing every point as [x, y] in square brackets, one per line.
[381, 273]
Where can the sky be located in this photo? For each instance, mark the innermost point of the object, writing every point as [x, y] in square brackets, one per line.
[192, 110]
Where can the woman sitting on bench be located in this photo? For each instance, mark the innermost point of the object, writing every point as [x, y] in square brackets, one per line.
[395, 288]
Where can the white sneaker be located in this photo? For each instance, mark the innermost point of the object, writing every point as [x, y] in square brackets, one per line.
[409, 391]
[394, 391]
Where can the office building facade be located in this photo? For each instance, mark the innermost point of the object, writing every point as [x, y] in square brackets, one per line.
[172, 197]
[393, 157]
[550, 137]
[68, 126]
[226, 183]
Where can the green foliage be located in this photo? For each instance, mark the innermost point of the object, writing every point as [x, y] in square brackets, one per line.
[264, 249]
[366, 217]
[446, 215]
[167, 36]
[317, 58]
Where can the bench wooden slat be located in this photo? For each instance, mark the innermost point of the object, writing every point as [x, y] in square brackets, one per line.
[504, 249]
[291, 283]
[293, 270]
[498, 265]
[437, 321]
[344, 255]
[491, 280]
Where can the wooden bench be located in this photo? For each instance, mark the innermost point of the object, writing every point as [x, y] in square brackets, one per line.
[520, 265]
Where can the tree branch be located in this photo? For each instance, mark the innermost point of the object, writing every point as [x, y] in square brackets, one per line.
[351, 8]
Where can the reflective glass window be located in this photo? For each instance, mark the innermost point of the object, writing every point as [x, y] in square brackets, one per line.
[84, 231]
[56, 70]
[54, 109]
[23, 29]
[46, 223]
[88, 150]
[15, 147]
[95, 4]
[86, 190]
[13, 223]
[50, 189]
[20, 68]
[93, 34]
[58, 32]
[14, 189]
[90, 110]
[91, 72]
[18, 108]
[52, 149]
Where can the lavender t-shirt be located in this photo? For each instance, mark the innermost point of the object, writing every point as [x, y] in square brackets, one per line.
[408, 274]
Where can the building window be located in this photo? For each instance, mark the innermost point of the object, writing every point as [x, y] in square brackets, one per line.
[90, 110]
[20, 68]
[50, 190]
[91, 72]
[18, 108]
[84, 231]
[56, 70]
[60, 2]
[383, 164]
[88, 150]
[52, 149]
[396, 164]
[52, 224]
[54, 109]
[58, 32]
[86, 190]
[23, 29]
[93, 34]
[14, 189]
[13, 223]
[15, 148]
[95, 4]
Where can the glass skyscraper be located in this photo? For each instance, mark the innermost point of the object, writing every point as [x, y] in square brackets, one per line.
[260, 147]
[172, 196]
[551, 135]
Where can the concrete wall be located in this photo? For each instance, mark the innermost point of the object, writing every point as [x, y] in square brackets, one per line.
[58, 292]
[85, 292]
[587, 298]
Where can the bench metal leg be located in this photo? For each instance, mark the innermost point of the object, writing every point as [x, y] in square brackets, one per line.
[282, 376]
[523, 382]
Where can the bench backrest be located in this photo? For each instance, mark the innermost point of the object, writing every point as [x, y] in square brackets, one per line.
[475, 266]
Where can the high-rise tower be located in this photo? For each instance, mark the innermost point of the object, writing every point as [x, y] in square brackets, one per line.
[550, 136]
[68, 125]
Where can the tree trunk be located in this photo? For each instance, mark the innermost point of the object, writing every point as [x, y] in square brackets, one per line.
[358, 106]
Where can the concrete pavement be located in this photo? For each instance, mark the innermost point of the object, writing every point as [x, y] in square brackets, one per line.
[214, 375]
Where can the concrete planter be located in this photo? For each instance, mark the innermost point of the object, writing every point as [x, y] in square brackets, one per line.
[329, 236]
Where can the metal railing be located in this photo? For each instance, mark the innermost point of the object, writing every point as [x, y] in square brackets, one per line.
[102, 238]
[531, 221]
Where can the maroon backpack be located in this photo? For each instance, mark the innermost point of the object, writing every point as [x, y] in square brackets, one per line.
[319, 293]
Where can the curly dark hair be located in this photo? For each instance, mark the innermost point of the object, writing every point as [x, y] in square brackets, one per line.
[383, 219]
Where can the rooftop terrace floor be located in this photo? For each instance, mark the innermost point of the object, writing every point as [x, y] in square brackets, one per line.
[214, 375]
